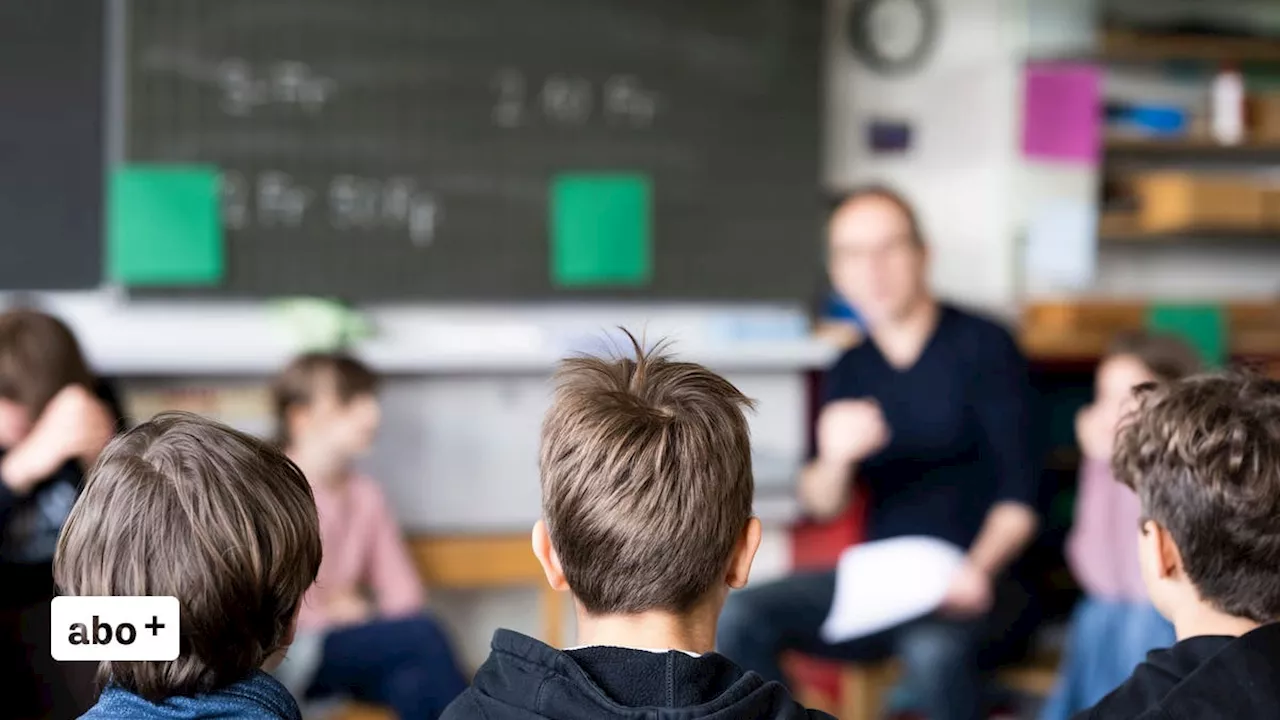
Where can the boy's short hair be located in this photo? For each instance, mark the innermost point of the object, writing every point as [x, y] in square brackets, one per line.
[646, 480]
[1166, 355]
[184, 506]
[39, 356]
[1203, 454]
[310, 374]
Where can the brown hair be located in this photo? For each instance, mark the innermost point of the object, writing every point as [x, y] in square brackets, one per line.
[646, 480]
[1203, 454]
[38, 357]
[184, 506]
[889, 195]
[311, 374]
[1166, 355]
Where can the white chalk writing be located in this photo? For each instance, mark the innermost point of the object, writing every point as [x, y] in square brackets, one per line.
[246, 88]
[275, 199]
[565, 100]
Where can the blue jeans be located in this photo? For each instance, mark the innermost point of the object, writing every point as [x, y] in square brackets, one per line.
[1107, 639]
[406, 664]
[940, 656]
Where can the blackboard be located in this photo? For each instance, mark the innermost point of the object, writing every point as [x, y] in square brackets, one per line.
[51, 144]
[403, 149]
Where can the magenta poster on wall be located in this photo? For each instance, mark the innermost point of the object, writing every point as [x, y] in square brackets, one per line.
[1062, 112]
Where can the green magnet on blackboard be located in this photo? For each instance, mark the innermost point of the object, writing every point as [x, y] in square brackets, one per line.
[164, 225]
[601, 229]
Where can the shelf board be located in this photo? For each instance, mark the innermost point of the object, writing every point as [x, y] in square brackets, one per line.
[1133, 46]
[1122, 228]
[1196, 148]
[1193, 236]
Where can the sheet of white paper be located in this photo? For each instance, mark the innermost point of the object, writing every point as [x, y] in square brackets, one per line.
[1062, 246]
[886, 583]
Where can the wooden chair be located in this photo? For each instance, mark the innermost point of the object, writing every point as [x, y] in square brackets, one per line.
[863, 686]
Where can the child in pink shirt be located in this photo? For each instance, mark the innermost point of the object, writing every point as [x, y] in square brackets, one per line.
[362, 629]
[1115, 625]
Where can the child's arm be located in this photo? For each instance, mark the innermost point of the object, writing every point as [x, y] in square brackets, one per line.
[394, 580]
[76, 425]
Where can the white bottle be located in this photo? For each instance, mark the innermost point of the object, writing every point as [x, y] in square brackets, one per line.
[1228, 106]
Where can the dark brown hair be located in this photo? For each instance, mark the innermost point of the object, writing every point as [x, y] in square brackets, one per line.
[308, 375]
[889, 195]
[39, 356]
[1203, 454]
[1166, 355]
[646, 480]
[186, 507]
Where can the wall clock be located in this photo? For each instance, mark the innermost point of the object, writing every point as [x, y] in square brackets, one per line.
[893, 37]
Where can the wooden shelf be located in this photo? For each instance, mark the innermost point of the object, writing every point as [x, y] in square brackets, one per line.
[1191, 236]
[1122, 228]
[1194, 148]
[1132, 46]
[1081, 330]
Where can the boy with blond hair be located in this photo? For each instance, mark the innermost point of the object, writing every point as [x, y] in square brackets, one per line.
[646, 519]
[185, 507]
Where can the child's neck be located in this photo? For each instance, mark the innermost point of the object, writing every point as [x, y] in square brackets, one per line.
[1202, 619]
[695, 632]
[321, 466]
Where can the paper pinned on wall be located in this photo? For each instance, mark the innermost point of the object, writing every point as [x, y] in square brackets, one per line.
[601, 229]
[1062, 113]
[1062, 246]
[886, 583]
[164, 225]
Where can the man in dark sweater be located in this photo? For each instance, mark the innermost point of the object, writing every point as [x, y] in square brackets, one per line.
[646, 499]
[930, 412]
[1203, 455]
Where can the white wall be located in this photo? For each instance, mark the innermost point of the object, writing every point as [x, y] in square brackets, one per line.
[965, 172]
[960, 172]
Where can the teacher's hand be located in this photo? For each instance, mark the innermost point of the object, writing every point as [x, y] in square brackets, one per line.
[970, 594]
[850, 431]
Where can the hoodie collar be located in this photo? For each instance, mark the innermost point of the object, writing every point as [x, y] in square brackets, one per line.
[258, 696]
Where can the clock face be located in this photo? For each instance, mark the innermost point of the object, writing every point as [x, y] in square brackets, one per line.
[893, 36]
[897, 28]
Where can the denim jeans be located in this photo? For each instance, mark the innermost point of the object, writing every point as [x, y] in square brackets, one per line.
[1107, 639]
[406, 664]
[940, 656]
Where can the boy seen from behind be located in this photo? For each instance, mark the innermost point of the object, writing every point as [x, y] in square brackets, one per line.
[1203, 455]
[646, 506]
[182, 506]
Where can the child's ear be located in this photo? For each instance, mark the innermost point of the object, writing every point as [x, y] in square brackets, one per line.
[1158, 553]
[546, 554]
[744, 553]
[1167, 551]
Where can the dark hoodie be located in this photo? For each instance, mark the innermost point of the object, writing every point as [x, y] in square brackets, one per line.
[523, 679]
[1202, 678]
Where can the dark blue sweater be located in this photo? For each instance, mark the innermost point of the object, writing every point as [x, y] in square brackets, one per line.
[960, 423]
